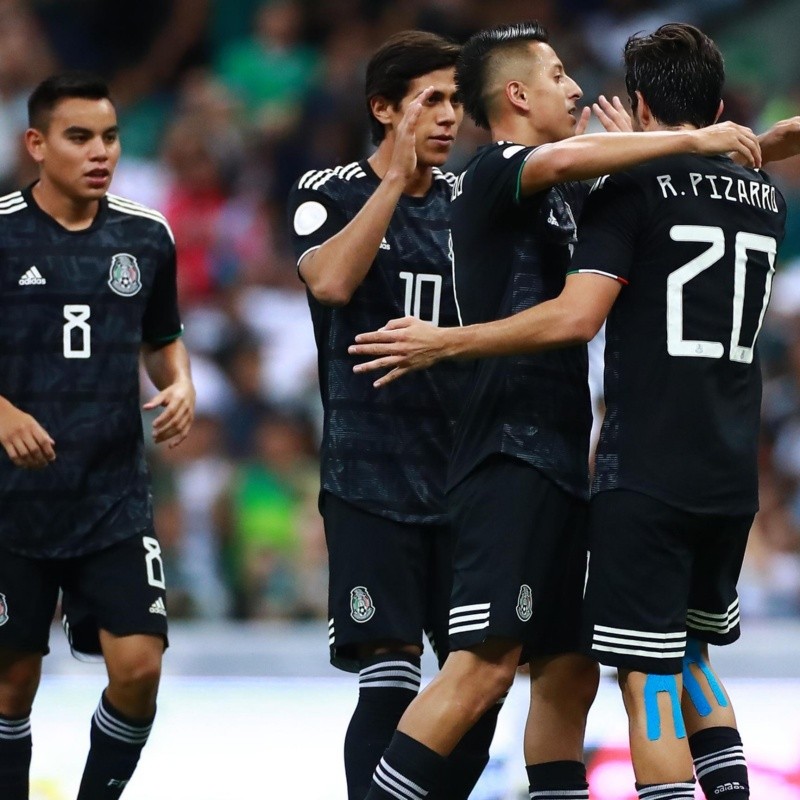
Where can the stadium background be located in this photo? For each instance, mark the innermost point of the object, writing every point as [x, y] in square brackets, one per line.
[223, 103]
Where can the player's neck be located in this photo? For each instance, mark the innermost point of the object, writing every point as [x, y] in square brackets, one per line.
[72, 214]
[518, 130]
[417, 185]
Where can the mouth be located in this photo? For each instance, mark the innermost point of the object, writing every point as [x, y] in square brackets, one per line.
[97, 177]
[445, 140]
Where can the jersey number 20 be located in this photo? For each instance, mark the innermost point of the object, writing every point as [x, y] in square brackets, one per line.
[77, 333]
[715, 238]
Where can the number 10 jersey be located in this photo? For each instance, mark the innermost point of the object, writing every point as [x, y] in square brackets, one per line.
[76, 307]
[693, 240]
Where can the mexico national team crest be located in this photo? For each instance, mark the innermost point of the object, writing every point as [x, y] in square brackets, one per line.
[362, 609]
[124, 277]
[3, 610]
[525, 603]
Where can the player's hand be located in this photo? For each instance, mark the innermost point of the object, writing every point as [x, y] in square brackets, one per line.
[781, 141]
[402, 345]
[583, 120]
[173, 423]
[26, 442]
[404, 154]
[612, 115]
[728, 137]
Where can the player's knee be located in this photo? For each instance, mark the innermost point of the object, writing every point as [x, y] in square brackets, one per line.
[704, 694]
[19, 680]
[140, 673]
[568, 681]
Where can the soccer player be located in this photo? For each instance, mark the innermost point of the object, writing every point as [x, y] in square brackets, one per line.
[88, 283]
[679, 255]
[518, 473]
[371, 240]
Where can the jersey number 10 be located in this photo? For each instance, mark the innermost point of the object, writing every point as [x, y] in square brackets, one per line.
[715, 237]
[414, 292]
[77, 333]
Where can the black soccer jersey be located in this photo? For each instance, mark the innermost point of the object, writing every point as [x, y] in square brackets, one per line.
[511, 253]
[76, 307]
[693, 240]
[384, 451]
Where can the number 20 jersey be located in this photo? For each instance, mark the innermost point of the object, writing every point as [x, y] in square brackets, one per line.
[76, 306]
[383, 450]
[693, 240]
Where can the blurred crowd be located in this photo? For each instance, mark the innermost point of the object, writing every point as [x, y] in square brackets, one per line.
[223, 104]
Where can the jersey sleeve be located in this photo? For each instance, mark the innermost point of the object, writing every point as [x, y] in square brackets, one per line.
[498, 176]
[314, 217]
[161, 322]
[610, 224]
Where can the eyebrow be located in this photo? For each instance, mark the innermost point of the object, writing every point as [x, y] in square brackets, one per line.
[72, 129]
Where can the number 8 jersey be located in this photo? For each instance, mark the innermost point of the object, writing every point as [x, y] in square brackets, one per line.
[693, 240]
[77, 305]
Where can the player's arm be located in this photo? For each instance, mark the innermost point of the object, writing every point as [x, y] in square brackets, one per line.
[597, 154]
[168, 367]
[781, 141]
[574, 317]
[334, 270]
[26, 442]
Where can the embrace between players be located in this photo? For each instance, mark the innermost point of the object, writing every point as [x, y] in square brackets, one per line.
[456, 499]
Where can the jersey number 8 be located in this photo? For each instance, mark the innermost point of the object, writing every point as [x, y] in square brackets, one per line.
[77, 333]
[715, 238]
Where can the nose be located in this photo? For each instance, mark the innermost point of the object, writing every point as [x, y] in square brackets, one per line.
[449, 115]
[575, 91]
[98, 150]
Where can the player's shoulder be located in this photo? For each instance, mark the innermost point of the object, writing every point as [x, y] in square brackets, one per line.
[11, 204]
[335, 181]
[130, 208]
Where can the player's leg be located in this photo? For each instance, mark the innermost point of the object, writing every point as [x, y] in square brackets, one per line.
[489, 619]
[27, 605]
[713, 616]
[563, 682]
[468, 760]
[376, 601]
[115, 605]
[563, 688]
[635, 619]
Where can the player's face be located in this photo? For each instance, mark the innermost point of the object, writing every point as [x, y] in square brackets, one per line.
[79, 150]
[438, 124]
[553, 95]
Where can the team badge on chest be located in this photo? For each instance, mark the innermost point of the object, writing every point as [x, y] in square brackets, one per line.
[362, 609]
[124, 277]
[3, 610]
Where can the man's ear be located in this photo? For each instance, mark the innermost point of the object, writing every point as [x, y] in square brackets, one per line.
[35, 144]
[644, 116]
[381, 109]
[720, 110]
[517, 95]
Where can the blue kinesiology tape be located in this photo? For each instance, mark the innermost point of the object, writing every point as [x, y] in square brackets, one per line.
[653, 686]
[692, 685]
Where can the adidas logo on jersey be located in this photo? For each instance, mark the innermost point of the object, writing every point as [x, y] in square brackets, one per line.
[158, 607]
[384, 245]
[32, 278]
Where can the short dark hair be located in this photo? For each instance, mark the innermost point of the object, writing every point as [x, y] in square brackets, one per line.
[400, 59]
[50, 91]
[680, 73]
[476, 55]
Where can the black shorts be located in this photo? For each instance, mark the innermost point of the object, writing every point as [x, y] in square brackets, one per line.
[658, 574]
[520, 559]
[119, 589]
[389, 581]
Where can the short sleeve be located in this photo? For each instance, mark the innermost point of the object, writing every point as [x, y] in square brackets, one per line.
[161, 322]
[313, 218]
[609, 227]
[497, 176]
